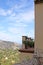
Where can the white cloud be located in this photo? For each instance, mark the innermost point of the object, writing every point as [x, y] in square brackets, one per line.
[5, 13]
[9, 37]
[19, 5]
[21, 31]
[5, 36]
[9, 12]
[12, 15]
[19, 24]
[16, 30]
[1, 27]
[28, 16]
[2, 12]
[31, 33]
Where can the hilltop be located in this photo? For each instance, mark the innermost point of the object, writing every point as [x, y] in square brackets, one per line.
[9, 45]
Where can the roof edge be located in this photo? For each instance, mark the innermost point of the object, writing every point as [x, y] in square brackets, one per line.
[38, 1]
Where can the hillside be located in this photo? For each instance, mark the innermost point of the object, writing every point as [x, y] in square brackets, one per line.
[8, 45]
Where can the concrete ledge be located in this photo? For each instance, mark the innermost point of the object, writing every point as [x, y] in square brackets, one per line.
[30, 50]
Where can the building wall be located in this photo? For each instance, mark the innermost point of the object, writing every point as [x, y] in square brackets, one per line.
[23, 39]
[39, 25]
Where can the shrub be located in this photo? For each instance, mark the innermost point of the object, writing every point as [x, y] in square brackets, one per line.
[28, 43]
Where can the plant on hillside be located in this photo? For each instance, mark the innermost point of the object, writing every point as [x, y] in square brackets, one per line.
[28, 44]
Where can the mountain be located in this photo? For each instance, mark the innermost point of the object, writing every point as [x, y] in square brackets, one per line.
[9, 45]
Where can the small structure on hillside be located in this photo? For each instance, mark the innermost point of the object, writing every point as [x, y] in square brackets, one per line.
[26, 45]
[26, 40]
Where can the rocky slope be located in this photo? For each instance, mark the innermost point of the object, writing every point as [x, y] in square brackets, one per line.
[8, 45]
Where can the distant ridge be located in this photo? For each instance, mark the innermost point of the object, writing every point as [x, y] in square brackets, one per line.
[9, 45]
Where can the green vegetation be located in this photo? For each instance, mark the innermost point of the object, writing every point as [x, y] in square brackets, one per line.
[10, 57]
[29, 44]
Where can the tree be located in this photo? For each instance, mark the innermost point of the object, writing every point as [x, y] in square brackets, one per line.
[28, 44]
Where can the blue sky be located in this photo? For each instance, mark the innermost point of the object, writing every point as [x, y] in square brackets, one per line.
[16, 19]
